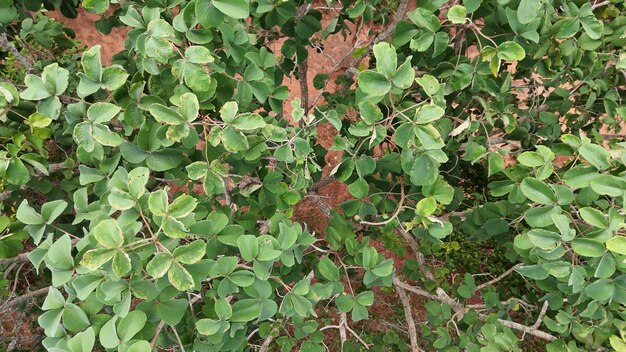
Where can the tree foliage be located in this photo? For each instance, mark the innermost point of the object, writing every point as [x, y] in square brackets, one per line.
[528, 94]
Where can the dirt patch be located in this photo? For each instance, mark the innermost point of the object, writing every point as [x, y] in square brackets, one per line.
[85, 27]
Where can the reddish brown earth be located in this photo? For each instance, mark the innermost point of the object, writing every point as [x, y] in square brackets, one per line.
[86, 33]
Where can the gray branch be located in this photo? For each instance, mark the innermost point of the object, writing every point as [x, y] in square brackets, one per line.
[5, 43]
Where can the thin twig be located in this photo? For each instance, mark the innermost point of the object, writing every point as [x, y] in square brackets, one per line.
[156, 333]
[5, 43]
[268, 340]
[343, 322]
[227, 198]
[421, 261]
[51, 169]
[600, 4]
[500, 277]
[395, 213]
[408, 316]
[303, 71]
[543, 311]
[180, 343]
[23, 298]
[457, 307]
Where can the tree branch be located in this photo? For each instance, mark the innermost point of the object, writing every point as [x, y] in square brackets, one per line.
[23, 257]
[268, 340]
[408, 316]
[5, 43]
[156, 333]
[23, 298]
[600, 4]
[544, 309]
[502, 276]
[51, 169]
[459, 308]
[321, 183]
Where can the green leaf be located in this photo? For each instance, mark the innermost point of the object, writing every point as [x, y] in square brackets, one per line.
[600, 290]
[120, 200]
[535, 272]
[386, 58]
[157, 202]
[229, 111]
[546, 240]
[96, 6]
[113, 77]
[608, 185]
[102, 112]
[606, 267]
[594, 217]
[190, 253]
[198, 55]
[182, 206]
[248, 122]
[596, 156]
[365, 298]
[104, 136]
[180, 278]
[245, 310]
[83, 341]
[55, 79]
[27, 215]
[429, 83]
[171, 311]
[131, 324]
[197, 170]
[209, 327]
[457, 14]
[39, 121]
[370, 112]
[359, 188]
[108, 334]
[60, 254]
[140, 346]
[405, 75]
[537, 191]
[121, 264]
[496, 163]
[166, 115]
[328, 269]
[35, 88]
[137, 180]
[95, 258]
[189, 107]
[344, 302]
[511, 51]
[108, 234]
[428, 113]
[528, 10]
[617, 245]
[54, 299]
[248, 247]
[159, 265]
[237, 9]
[424, 171]
[588, 247]
[374, 83]
[173, 228]
[74, 319]
[17, 173]
[234, 141]
[531, 159]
